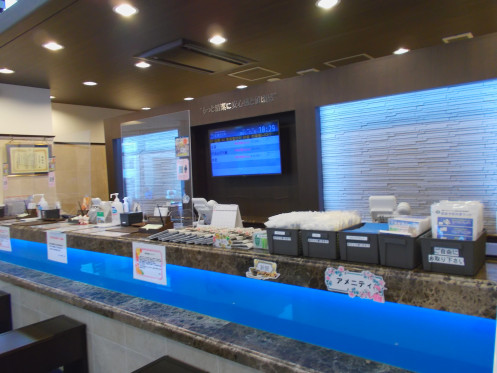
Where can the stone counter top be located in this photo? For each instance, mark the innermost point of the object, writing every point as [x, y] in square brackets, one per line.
[475, 296]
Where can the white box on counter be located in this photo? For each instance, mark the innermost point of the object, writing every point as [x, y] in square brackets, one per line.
[457, 220]
[407, 224]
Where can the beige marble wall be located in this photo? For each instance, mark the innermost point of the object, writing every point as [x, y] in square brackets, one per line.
[81, 170]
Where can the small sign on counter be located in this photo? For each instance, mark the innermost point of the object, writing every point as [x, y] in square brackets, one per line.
[149, 263]
[263, 270]
[5, 239]
[57, 246]
[363, 284]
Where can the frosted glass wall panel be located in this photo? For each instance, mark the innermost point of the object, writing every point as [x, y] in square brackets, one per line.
[421, 146]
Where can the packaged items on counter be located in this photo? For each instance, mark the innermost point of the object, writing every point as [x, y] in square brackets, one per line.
[457, 220]
[409, 225]
[311, 233]
[260, 240]
[236, 238]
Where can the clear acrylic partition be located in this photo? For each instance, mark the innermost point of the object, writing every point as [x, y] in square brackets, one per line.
[157, 166]
[78, 177]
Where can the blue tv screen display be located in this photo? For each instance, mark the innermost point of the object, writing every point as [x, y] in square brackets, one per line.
[250, 149]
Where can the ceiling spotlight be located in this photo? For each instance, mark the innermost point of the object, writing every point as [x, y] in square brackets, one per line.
[145, 108]
[4, 70]
[188, 98]
[90, 83]
[241, 86]
[53, 46]
[125, 10]
[142, 64]
[401, 51]
[327, 4]
[52, 97]
[217, 40]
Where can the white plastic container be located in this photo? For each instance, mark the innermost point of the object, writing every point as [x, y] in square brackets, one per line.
[117, 209]
[42, 205]
[457, 220]
[125, 204]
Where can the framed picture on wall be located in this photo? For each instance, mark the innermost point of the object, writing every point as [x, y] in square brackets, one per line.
[28, 159]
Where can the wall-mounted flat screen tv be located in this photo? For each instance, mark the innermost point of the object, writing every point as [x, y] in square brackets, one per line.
[248, 149]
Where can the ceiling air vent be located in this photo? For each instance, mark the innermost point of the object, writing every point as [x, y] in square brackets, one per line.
[192, 56]
[254, 73]
[459, 37]
[349, 60]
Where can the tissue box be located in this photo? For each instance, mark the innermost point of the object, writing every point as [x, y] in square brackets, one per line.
[412, 225]
[457, 220]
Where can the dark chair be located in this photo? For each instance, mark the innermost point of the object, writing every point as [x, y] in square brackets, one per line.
[168, 364]
[5, 312]
[44, 347]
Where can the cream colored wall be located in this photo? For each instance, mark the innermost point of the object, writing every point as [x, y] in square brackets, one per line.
[81, 167]
[71, 122]
[25, 111]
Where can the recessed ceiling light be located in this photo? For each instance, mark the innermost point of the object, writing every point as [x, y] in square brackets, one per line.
[53, 46]
[145, 108]
[4, 70]
[217, 39]
[125, 10]
[142, 64]
[401, 51]
[90, 83]
[273, 79]
[241, 86]
[327, 4]
[52, 97]
[188, 98]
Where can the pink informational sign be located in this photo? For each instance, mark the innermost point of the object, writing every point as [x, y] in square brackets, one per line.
[5, 239]
[363, 284]
[57, 246]
[183, 169]
[149, 263]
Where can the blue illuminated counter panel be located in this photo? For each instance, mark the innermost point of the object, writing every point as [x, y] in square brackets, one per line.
[201, 281]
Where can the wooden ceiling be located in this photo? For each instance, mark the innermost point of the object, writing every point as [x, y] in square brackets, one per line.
[284, 36]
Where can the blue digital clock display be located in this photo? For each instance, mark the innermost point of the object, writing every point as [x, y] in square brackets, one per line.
[251, 149]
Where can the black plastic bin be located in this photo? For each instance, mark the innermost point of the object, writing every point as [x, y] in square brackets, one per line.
[284, 241]
[453, 256]
[399, 251]
[321, 244]
[361, 244]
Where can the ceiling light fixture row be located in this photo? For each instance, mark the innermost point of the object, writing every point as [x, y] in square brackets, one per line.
[327, 4]
[53, 46]
[125, 10]
[401, 51]
[5, 70]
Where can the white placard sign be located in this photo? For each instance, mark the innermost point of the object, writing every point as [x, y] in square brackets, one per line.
[5, 239]
[149, 263]
[226, 216]
[57, 246]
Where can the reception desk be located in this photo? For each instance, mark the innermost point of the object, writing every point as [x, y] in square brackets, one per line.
[243, 345]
